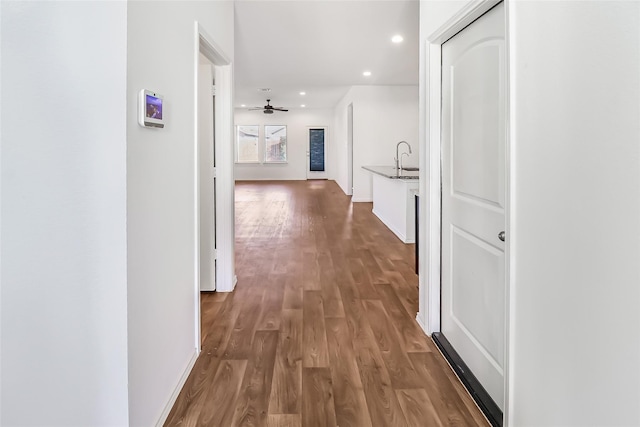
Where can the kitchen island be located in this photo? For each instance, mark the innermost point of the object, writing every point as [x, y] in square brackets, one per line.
[394, 200]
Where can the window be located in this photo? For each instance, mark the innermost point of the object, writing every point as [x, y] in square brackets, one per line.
[275, 144]
[247, 144]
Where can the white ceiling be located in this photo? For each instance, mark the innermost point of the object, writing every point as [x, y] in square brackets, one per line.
[321, 47]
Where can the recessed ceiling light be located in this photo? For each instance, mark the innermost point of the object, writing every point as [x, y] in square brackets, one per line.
[303, 93]
[265, 89]
[243, 105]
[366, 73]
[397, 38]
[302, 105]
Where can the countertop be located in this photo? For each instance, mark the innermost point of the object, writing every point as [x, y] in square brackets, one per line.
[390, 172]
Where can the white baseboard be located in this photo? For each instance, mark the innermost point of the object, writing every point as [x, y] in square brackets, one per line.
[421, 324]
[227, 287]
[355, 199]
[397, 232]
[177, 390]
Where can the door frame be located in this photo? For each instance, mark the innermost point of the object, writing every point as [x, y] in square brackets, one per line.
[429, 315]
[224, 203]
[317, 175]
[350, 149]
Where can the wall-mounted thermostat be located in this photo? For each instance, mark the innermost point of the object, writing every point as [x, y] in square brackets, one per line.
[150, 109]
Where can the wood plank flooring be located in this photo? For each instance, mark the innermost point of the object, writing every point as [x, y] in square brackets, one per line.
[320, 330]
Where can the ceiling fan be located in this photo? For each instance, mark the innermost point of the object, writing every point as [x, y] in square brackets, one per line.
[268, 109]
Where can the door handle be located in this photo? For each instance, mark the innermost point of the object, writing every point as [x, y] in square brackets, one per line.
[501, 235]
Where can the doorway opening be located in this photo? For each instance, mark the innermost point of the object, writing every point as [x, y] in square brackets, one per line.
[207, 175]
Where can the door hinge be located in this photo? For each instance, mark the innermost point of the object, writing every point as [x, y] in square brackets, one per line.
[213, 90]
[215, 173]
[215, 254]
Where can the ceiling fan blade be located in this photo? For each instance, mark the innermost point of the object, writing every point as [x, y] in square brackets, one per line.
[268, 109]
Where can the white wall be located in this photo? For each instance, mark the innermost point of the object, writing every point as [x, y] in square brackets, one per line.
[575, 210]
[576, 337]
[0, 215]
[161, 204]
[64, 253]
[382, 116]
[297, 121]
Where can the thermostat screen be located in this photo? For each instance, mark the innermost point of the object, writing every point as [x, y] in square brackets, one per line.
[154, 107]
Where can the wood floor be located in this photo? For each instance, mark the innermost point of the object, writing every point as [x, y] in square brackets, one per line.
[321, 329]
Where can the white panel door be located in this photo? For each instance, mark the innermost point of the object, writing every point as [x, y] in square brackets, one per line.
[473, 198]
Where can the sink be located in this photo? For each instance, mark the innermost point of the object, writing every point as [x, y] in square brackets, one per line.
[411, 169]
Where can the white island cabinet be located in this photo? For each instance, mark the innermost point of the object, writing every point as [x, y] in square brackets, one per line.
[394, 199]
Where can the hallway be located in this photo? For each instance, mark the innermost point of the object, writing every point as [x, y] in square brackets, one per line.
[320, 330]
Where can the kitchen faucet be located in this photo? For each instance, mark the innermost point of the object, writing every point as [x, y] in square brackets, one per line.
[397, 159]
